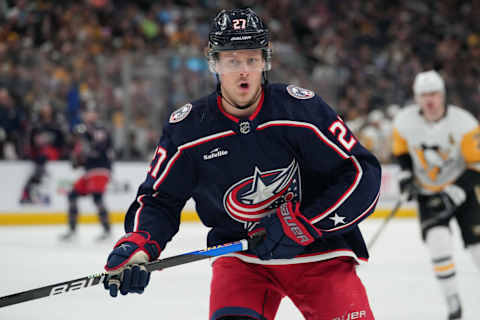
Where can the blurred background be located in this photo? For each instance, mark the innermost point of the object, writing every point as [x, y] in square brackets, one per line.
[134, 62]
[139, 60]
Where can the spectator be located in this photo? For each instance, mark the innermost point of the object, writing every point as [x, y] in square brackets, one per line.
[10, 126]
[119, 54]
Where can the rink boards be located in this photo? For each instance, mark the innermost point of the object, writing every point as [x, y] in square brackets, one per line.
[51, 202]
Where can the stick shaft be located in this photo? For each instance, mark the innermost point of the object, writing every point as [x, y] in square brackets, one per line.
[97, 278]
[382, 227]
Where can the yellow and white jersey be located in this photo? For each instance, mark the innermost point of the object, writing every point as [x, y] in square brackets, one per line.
[441, 150]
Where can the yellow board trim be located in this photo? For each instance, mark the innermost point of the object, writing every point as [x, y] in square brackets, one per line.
[46, 218]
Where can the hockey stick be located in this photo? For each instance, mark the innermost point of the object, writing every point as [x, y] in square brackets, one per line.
[97, 278]
[382, 227]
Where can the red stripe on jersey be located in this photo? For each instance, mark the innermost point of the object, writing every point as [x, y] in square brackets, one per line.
[187, 146]
[172, 161]
[370, 207]
[318, 133]
[235, 119]
[344, 196]
[139, 210]
[333, 146]
[257, 110]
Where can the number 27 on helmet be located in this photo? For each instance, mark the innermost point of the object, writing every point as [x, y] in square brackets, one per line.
[234, 30]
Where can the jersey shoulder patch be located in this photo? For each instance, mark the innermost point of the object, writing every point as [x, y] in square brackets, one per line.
[300, 93]
[181, 113]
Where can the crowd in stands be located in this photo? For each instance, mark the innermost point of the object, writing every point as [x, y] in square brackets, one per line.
[136, 61]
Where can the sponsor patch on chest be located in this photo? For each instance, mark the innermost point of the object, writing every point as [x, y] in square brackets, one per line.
[300, 93]
[181, 113]
[215, 153]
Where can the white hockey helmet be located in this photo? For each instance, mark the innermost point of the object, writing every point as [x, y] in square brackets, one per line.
[428, 81]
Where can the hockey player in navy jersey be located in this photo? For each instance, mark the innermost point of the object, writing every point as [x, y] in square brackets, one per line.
[438, 148]
[94, 152]
[257, 157]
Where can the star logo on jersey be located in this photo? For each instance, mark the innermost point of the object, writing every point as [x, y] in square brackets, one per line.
[337, 219]
[254, 197]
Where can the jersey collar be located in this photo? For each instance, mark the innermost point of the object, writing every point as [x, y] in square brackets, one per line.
[235, 119]
[444, 115]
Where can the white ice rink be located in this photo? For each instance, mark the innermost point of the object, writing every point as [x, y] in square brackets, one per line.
[398, 278]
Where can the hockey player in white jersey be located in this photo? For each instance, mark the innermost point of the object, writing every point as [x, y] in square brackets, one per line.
[438, 148]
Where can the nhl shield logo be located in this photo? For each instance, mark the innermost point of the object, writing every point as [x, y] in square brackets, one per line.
[300, 93]
[181, 113]
[245, 127]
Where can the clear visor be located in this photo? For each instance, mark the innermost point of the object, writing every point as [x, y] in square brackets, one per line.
[239, 61]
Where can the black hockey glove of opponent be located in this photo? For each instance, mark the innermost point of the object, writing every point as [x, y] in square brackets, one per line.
[287, 233]
[124, 264]
[442, 205]
[407, 185]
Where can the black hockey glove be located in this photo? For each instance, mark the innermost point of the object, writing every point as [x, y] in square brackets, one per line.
[124, 264]
[439, 208]
[407, 185]
[287, 233]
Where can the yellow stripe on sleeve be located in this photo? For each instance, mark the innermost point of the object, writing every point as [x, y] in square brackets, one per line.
[470, 146]
[399, 144]
[448, 267]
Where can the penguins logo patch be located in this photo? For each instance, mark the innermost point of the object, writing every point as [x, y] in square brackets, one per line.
[181, 113]
[300, 93]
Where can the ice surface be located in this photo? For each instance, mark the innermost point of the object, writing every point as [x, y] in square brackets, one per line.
[398, 277]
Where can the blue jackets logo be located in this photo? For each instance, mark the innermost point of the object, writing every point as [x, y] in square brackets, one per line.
[181, 113]
[215, 153]
[254, 197]
[300, 93]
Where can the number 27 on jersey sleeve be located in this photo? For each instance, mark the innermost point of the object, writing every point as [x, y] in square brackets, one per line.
[160, 155]
[338, 129]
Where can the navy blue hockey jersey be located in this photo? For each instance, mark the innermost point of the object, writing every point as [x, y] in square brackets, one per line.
[93, 147]
[294, 147]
